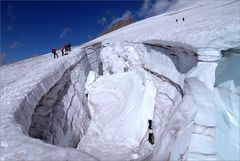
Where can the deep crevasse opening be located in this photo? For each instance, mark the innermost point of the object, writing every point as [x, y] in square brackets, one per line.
[63, 115]
[59, 111]
[132, 72]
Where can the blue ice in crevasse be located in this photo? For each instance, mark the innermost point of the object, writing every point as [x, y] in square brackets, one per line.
[227, 101]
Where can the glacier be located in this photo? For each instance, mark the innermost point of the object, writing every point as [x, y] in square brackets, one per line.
[95, 103]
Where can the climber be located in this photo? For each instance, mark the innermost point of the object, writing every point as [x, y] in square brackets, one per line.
[176, 20]
[62, 51]
[65, 48]
[150, 131]
[54, 52]
[183, 18]
[69, 47]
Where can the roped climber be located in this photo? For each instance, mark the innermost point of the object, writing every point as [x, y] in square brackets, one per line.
[54, 52]
[150, 132]
[65, 48]
[69, 47]
[62, 51]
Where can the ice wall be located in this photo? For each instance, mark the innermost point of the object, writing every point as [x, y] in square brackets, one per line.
[227, 101]
[53, 84]
[139, 83]
[120, 106]
[62, 116]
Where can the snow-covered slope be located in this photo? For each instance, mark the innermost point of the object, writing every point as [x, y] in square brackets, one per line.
[156, 69]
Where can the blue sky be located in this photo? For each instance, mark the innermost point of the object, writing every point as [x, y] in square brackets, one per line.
[30, 28]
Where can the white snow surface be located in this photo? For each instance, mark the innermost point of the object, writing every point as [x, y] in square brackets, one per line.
[95, 103]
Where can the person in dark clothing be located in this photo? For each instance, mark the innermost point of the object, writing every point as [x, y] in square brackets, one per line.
[69, 47]
[54, 52]
[65, 48]
[183, 18]
[176, 20]
[62, 51]
[150, 130]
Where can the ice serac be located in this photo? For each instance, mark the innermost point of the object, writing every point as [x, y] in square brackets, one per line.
[132, 90]
[227, 101]
[120, 106]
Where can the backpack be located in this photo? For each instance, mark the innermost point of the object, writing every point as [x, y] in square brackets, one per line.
[53, 50]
